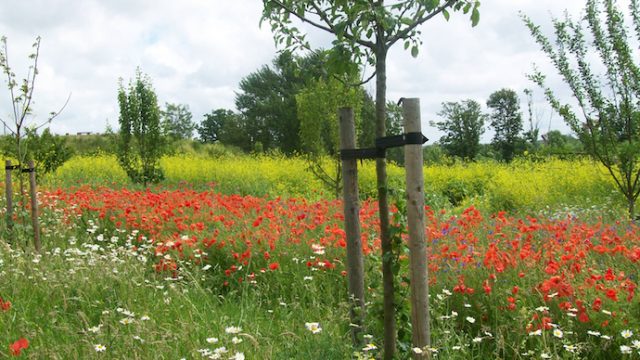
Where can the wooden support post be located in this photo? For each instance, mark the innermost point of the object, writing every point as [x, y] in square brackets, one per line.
[421, 336]
[34, 206]
[8, 188]
[355, 262]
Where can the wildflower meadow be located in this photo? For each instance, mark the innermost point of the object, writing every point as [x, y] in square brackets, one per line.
[245, 259]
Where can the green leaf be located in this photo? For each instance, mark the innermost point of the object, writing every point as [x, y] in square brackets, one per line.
[406, 21]
[407, 44]
[475, 17]
[414, 51]
[446, 14]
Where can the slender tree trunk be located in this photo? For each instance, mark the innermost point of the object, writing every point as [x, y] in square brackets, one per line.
[381, 173]
[632, 208]
[355, 261]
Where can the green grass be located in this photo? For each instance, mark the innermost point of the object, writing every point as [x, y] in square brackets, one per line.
[58, 297]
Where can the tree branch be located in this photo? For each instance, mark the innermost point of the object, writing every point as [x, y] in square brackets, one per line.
[419, 21]
[329, 26]
[355, 84]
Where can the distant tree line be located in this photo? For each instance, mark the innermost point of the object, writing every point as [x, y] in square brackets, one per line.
[464, 122]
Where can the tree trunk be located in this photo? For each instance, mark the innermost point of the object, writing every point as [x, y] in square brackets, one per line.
[381, 173]
[355, 261]
[632, 208]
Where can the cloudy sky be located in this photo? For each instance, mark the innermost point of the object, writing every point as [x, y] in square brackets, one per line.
[197, 51]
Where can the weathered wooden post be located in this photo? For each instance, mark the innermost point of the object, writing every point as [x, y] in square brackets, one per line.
[421, 336]
[34, 205]
[355, 262]
[8, 188]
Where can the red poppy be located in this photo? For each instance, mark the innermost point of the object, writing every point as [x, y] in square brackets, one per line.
[17, 347]
[274, 266]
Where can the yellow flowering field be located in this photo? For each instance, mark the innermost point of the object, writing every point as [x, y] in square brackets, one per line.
[522, 185]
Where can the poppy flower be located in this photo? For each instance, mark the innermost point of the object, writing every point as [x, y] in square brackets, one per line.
[17, 347]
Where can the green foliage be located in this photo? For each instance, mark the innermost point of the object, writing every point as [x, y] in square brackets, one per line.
[48, 151]
[608, 103]
[561, 145]
[506, 120]
[140, 142]
[267, 101]
[531, 135]
[463, 125]
[92, 144]
[360, 26]
[226, 127]
[317, 107]
[177, 121]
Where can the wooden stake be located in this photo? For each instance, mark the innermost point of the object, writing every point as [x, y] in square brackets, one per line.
[8, 188]
[421, 336]
[34, 206]
[355, 262]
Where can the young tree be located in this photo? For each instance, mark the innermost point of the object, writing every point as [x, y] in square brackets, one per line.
[319, 127]
[532, 134]
[463, 125]
[21, 95]
[609, 120]
[364, 32]
[140, 140]
[177, 121]
[506, 120]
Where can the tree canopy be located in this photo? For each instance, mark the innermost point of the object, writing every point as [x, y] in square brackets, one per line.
[463, 124]
[607, 120]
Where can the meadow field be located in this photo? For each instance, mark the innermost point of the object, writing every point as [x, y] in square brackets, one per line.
[244, 257]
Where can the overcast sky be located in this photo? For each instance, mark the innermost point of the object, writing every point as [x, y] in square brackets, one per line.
[197, 51]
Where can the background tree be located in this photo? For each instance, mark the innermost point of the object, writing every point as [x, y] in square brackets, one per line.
[608, 103]
[226, 127]
[140, 140]
[506, 121]
[463, 124]
[561, 145]
[319, 127]
[532, 134]
[364, 32]
[21, 94]
[177, 121]
[209, 128]
[367, 129]
[267, 100]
